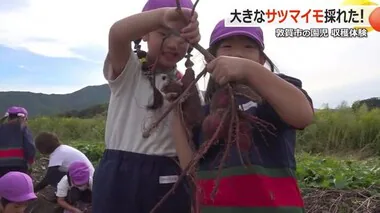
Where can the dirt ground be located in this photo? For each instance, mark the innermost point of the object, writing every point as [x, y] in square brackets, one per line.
[342, 201]
[44, 203]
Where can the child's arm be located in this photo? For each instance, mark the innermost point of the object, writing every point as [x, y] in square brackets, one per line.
[28, 145]
[61, 201]
[52, 176]
[123, 32]
[62, 192]
[286, 99]
[290, 103]
[182, 146]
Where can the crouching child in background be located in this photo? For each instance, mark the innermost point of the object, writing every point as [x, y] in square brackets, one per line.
[60, 158]
[75, 188]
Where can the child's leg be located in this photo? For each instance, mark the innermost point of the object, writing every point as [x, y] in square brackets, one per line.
[130, 182]
[116, 182]
[158, 180]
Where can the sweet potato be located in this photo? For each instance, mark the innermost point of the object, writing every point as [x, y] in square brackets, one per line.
[192, 107]
[211, 124]
[220, 99]
[172, 87]
[244, 136]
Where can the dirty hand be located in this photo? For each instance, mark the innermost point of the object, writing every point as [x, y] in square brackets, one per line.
[226, 69]
[189, 29]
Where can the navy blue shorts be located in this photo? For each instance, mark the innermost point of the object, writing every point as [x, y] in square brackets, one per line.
[130, 182]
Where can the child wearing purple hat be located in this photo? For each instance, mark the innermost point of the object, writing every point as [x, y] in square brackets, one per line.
[269, 184]
[17, 150]
[16, 190]
[60, 158]
[136, 172]
[75, 187]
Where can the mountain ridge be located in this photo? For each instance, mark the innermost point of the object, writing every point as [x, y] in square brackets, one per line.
[39, 104]
[86, 102]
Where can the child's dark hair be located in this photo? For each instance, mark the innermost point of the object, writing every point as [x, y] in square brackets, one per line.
[47, 142]
[212, 86]
[5, 202]
[158, 99]
[11, 118]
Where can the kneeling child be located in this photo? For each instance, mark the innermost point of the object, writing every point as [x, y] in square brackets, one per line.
[75, 187]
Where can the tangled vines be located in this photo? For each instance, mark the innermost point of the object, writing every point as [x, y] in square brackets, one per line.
[225, 123]
[336, 201]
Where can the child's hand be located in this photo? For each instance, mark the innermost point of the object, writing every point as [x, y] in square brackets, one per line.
[78, 211]
[225, 69]
[190, 32]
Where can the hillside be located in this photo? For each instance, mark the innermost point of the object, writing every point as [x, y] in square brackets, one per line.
[86, 102]
[101, 109]
[90, 112]
[44, 104]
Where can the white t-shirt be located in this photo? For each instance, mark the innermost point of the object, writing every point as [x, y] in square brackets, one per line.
[127, 114]
[63, 186]
[64, 155]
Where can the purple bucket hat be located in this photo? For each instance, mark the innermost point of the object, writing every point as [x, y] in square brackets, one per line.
[79, 172]
[17, 187]
[221, 32]
[15, 110]
[155, 4]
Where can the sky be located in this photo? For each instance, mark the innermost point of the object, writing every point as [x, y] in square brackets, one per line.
[58, 46]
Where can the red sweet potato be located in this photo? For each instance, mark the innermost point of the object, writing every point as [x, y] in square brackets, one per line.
[220, 100]
[192, 107]
[244, 136]
[211, 124]
[172, 87]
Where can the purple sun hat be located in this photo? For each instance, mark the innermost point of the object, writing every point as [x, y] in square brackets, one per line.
[17, 187]
[16, 110]
[155, 4]
[79, 172]
[221, 32]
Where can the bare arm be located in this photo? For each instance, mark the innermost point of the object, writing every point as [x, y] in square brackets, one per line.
[126, 30]
[182, 146]
[286, 99]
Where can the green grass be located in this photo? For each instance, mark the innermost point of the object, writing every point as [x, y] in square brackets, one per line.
[323, 148]
[312, 170]
[325, 181]
[339, 130]
[342, 130]
[70, 129]
[332, 172]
